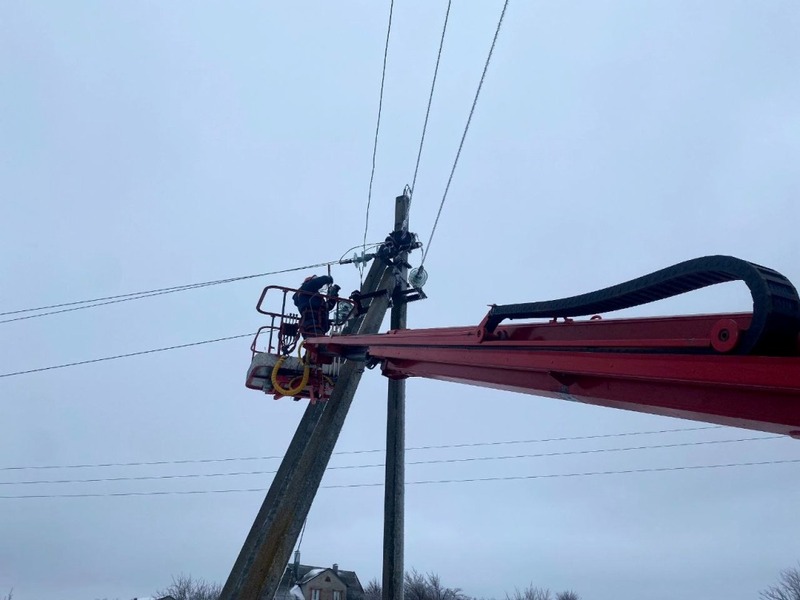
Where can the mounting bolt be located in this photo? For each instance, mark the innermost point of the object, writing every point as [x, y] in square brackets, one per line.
[724, 335]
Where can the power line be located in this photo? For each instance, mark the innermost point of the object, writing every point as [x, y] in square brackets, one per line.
[93, 303]
[466, 129]
[131, 294]
[420, 482]
[585, 474]
[140, 353]
[368, 451]
[85, 306]
[430, 98]
[376, 465]
[569, 439]
[302, 533]
[594, 451]
[378, 125]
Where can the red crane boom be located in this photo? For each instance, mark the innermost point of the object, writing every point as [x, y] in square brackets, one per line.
[741, 370]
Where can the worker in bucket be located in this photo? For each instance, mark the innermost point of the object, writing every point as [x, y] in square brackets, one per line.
[313, 306]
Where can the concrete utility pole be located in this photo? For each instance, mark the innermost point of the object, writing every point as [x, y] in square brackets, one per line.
[394, 491]
[266, 551]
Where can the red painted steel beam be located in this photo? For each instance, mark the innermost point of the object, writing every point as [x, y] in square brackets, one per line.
[666, 366]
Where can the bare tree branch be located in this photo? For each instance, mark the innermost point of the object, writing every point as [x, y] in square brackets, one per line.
[787, 588]
[184, 587]
[373, 591]
[530, 593]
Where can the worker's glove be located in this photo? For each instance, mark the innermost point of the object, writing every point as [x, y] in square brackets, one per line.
[335, 290]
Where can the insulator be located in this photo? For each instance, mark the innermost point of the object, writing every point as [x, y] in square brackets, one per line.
[360, 258]
[418, 277]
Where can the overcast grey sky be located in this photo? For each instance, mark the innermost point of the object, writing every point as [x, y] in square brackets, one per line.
[149, 144]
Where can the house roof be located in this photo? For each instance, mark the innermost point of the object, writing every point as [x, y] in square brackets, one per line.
[312, 573]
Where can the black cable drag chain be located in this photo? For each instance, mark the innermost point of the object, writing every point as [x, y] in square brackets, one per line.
[776, 305]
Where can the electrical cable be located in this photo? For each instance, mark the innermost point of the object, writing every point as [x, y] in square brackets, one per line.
[302, 533]
[85, 306]
[466, 129]
[378, 125]
[369, 451]
[430, 99]
[76, 305]
[419, 482]
[140, 353]
[377, 465]
[584, 474]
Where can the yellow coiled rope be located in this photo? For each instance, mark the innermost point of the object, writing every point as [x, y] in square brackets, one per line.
[303, 380]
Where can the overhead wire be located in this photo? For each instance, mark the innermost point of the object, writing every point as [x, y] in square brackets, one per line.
[378, 125]
[92, 300]
[128, 355]
[370, 450]
[93, 303]
[417, 482]
[583, 474]
[430, 99]
[85, 306]
[409, 463]
[466, 130]
[302, 533]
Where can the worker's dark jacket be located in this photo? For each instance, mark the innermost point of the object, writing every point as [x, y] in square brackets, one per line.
[314, 307]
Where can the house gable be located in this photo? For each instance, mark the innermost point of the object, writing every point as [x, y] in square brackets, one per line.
[328, 585]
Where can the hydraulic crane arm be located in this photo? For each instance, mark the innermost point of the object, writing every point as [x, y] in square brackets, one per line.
[741, 370]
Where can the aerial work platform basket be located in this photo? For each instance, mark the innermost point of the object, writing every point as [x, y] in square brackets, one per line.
[279, 365]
